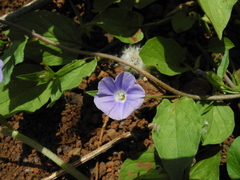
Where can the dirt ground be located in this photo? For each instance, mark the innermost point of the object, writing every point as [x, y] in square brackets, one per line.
[72, 127]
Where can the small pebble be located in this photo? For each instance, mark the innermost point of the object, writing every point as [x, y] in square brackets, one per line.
[25, 160]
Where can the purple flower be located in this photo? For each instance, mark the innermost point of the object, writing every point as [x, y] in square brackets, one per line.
[1, 74]
[120, 97]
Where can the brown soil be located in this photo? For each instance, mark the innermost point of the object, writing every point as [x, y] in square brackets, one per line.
[8, 6]
[72, 127]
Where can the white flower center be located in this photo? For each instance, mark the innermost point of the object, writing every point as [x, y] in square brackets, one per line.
[120, 96]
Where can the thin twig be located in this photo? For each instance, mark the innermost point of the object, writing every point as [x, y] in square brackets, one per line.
[145, 73]
[181, 7]
[228, 80]
[209, 59]
[13, 16]
[89, 156]
[94, 153]
[105, 118]
[78, 175]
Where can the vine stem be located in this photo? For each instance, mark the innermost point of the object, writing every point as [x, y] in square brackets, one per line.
[70, 169]
[107, 56]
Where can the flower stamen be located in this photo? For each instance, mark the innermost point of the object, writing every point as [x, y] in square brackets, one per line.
[120, 96]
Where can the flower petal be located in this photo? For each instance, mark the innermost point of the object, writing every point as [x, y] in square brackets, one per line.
[120, 111]
[105, 98]
[136, 89]
[104, 103]
[124, 80]
[134, 100]
[107, 86]
[1, 74]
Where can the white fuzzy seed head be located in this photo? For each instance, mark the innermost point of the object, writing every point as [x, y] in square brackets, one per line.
[131, 55]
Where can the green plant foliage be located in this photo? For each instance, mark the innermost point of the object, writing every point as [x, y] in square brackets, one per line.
[50, 25]
[4, 122]
[142, 3]
[236, 75]
[118, 22]
[2, 43]
[204, 106]
[164, 54]
[138, 36]
[220, 46]
[92, 93]
[127, 4]
[233, 159]
[21, 95]
[219, 12]
[70, 76]
[11, 57]
[206, 169]
[181, 22]
[217, 82]
[182, 128]
[101, 5]
[177, 134]
[30, 95]
[154, 174]
[223, 65]
[219, 124]
[138, 165]
[41, 77]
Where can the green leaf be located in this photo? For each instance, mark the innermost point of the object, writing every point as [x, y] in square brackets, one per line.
[164, 54]
[92, 93]
[220, 46]
[206, 169]
[12, 56]
[237, 88]
[154, 174]
[54, 27]
[177, 134]
[236, 75]
[126, 4]
[2, 43]
[41, 77]
[118, 22]
[56, 92]
[129, 4]
[181, 22]
[142, 3]
[138, 36]
[216, 81]
[21, 95]
[224, 64]
[219, 117]
[71, 74]
[204, 106]
[101, 5]
[233, 159]
[138, 165]
[219, 12]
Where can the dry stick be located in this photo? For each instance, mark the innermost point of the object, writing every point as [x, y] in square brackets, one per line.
[94, 153]
[181, 7]
[105, 118]
[89, 156]
[107, 56]
[35, 4]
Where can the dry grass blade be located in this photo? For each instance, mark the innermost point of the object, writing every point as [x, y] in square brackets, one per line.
[93, 154]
